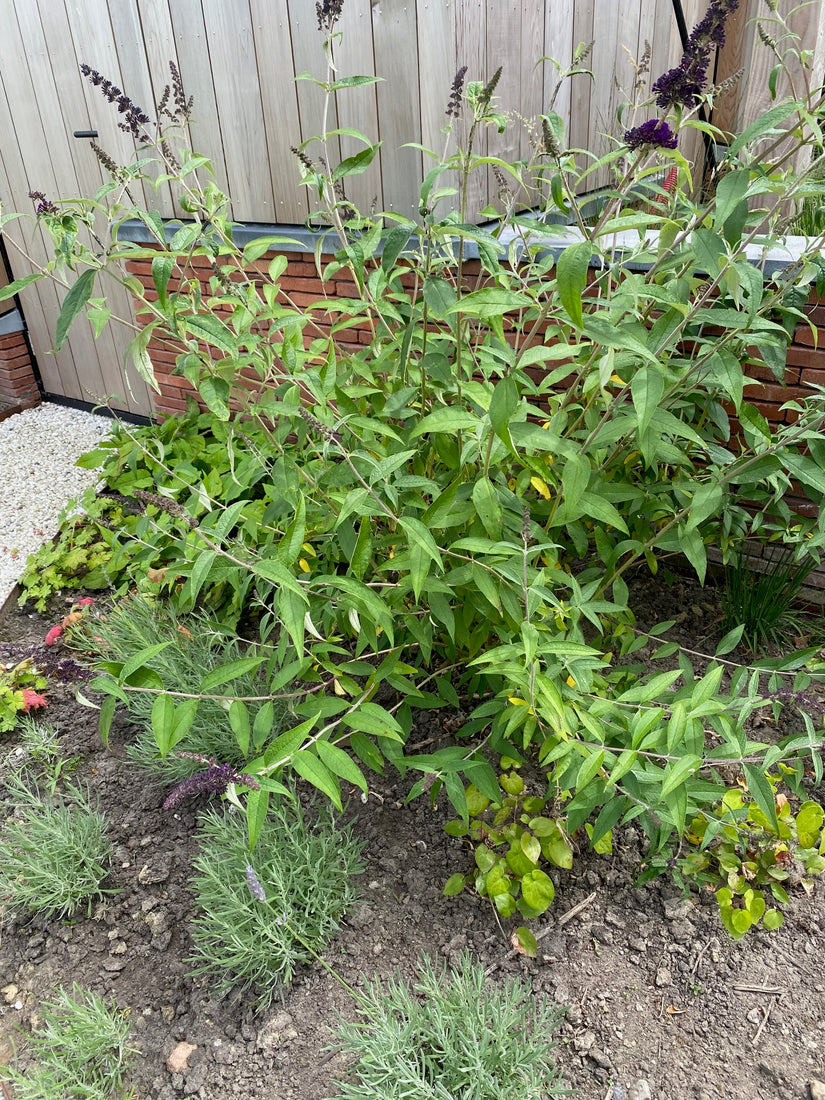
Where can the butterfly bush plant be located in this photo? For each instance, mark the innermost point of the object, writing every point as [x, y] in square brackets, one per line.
[452, 510]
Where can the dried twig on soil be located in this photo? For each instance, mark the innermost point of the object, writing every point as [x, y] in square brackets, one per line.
[765, 1014]
[574, 912]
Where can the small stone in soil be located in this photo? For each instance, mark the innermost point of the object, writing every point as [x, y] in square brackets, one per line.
[178, 1060]
[640, 1090]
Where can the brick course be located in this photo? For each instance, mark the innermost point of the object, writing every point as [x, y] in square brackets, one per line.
[301, 285]
[18, 385]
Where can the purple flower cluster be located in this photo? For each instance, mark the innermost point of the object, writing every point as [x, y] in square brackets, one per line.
[214, 780]
[42, 204]
[796, 697]
[681, 86]
[328, 12]
[454, 105]
[134, 119]
[652, 134]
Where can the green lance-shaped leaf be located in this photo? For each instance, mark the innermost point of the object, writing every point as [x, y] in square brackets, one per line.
[571, 278]
[11, 289]
[73, 303]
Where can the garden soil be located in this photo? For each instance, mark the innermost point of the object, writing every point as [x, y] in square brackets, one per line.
[660, 1002]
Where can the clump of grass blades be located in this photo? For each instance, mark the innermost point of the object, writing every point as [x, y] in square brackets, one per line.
[762, 602]
[54, 852]
[80, 1051]
[196, 646]
[305, 874]
[450, 1035]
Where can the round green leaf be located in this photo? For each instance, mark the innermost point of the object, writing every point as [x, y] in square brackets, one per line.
[772, 919]
[538, 890]
[531, 847]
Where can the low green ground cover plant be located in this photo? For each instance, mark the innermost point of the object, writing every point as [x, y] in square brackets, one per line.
[756, 857]
[21, 691]
[450, 1034]
[77, 558]
[450, 512]
[262, 916]
[54, 851]
[80, 1049]
[42, 754]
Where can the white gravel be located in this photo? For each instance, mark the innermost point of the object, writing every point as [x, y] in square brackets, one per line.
[38, 477]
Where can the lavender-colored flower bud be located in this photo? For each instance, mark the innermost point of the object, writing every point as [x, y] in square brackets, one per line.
[254, 883]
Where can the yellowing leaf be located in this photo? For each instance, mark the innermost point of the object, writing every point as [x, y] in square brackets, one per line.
[514, 699]
[302, 563]
[336, 687]
[615, 378]
[307, 548]
[571, 682]
[540, 487]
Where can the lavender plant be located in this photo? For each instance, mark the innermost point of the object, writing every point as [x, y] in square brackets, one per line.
[460, 500]
[54, 852]
[257, 925]
[80, 1051]
[188, 651]
[453, 1033]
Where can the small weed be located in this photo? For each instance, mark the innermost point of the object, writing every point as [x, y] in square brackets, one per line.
[302, 873]
[749, 853]
[54, 852]
[41, 744]
[450, 1035]
[81, 1051]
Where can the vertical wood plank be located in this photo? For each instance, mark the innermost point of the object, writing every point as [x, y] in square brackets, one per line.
[602, 91]
[94, 45]
[136, 82]
[273, 48]
[559, 46]
[503, 39]
[196, 73]
[317, 112]
[438, 63]
[395, 34]
[357, 108]
[49, 50]
[582, 86]
[471, 50]
[238, 95]
[40, 301]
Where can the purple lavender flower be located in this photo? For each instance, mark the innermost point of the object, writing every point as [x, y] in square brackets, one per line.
[653, 133]
[682, 85]
[214, 780]
[254, 883]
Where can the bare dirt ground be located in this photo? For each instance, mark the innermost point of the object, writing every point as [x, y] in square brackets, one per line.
[662, 1004]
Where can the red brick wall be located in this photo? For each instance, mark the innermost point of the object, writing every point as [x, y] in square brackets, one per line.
[301, 286]
[17, 381]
